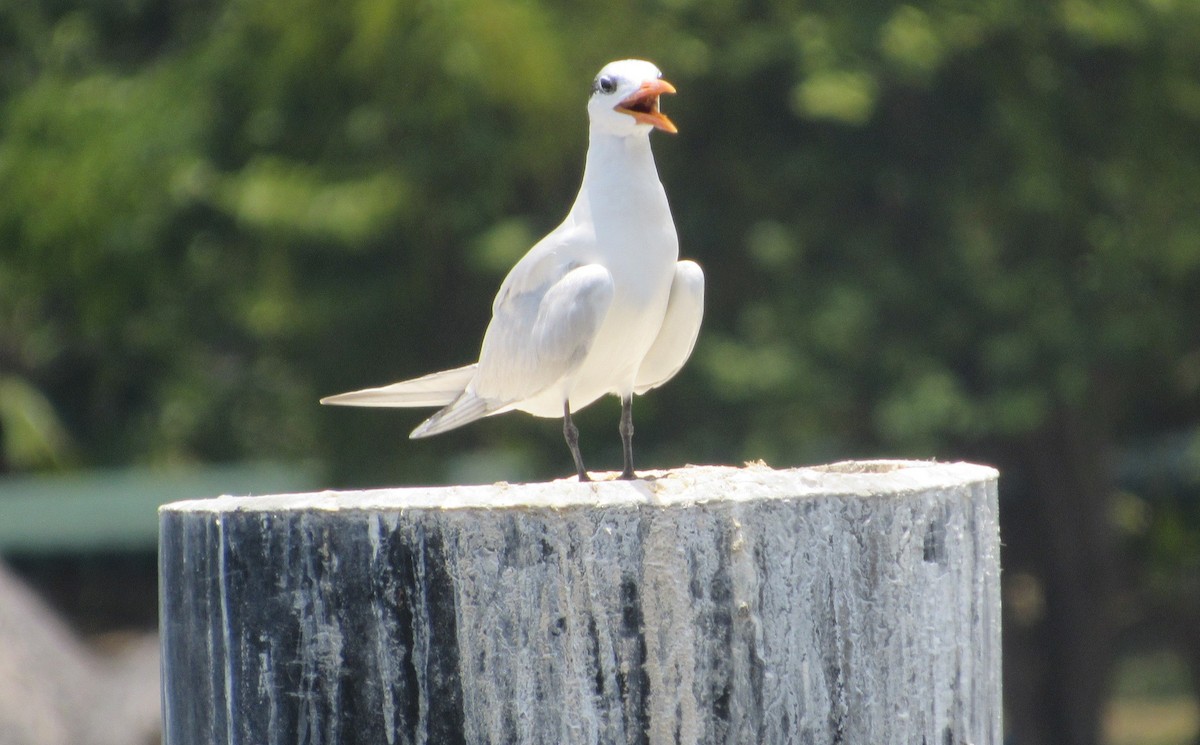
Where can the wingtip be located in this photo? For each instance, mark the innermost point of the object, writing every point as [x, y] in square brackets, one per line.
[462, 411]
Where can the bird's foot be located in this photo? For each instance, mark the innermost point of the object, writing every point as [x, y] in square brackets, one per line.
[628, 475]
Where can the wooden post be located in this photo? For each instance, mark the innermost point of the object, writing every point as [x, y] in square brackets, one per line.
[852, 603]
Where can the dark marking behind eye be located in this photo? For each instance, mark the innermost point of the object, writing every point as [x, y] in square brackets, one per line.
[604, 84]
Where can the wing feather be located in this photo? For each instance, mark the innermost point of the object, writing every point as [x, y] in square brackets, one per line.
[544, 321]
[435, 389]
[466, 409]
[539, 338]
[680, 327]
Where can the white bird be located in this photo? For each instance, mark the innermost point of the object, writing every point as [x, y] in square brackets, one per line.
[600, 305]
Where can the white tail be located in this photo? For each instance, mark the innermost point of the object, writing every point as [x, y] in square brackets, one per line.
[435, 389]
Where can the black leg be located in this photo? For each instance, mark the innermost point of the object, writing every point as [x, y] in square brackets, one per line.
[627, 436]
[571, 433]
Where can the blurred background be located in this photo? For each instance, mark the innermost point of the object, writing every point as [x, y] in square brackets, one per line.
[942, 229]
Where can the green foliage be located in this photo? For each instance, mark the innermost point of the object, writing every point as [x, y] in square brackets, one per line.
[927, 227]
[33, 436]
[971, 219]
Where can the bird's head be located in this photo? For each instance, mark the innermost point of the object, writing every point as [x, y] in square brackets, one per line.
[624, 99]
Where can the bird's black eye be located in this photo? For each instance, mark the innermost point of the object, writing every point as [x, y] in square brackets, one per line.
[605, 84]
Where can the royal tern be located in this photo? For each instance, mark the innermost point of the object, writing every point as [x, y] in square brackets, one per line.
[600, 305]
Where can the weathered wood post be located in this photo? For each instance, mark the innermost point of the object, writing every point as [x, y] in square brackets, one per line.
[856, 603]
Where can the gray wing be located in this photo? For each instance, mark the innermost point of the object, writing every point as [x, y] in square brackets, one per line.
[538, 338]
[680, 327]
[544, 322]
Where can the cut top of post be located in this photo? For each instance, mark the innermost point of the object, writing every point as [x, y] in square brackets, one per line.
[675, 487]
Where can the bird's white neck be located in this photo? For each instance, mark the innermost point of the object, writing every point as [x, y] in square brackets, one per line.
[620, 157]
[620, 175]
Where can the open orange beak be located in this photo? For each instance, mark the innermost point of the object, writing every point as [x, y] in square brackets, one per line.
[643, 105]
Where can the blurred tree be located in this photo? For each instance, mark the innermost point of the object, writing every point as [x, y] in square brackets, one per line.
[941, 228]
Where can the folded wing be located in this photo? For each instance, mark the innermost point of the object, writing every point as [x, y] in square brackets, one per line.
[680, 327]
[536, 341]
